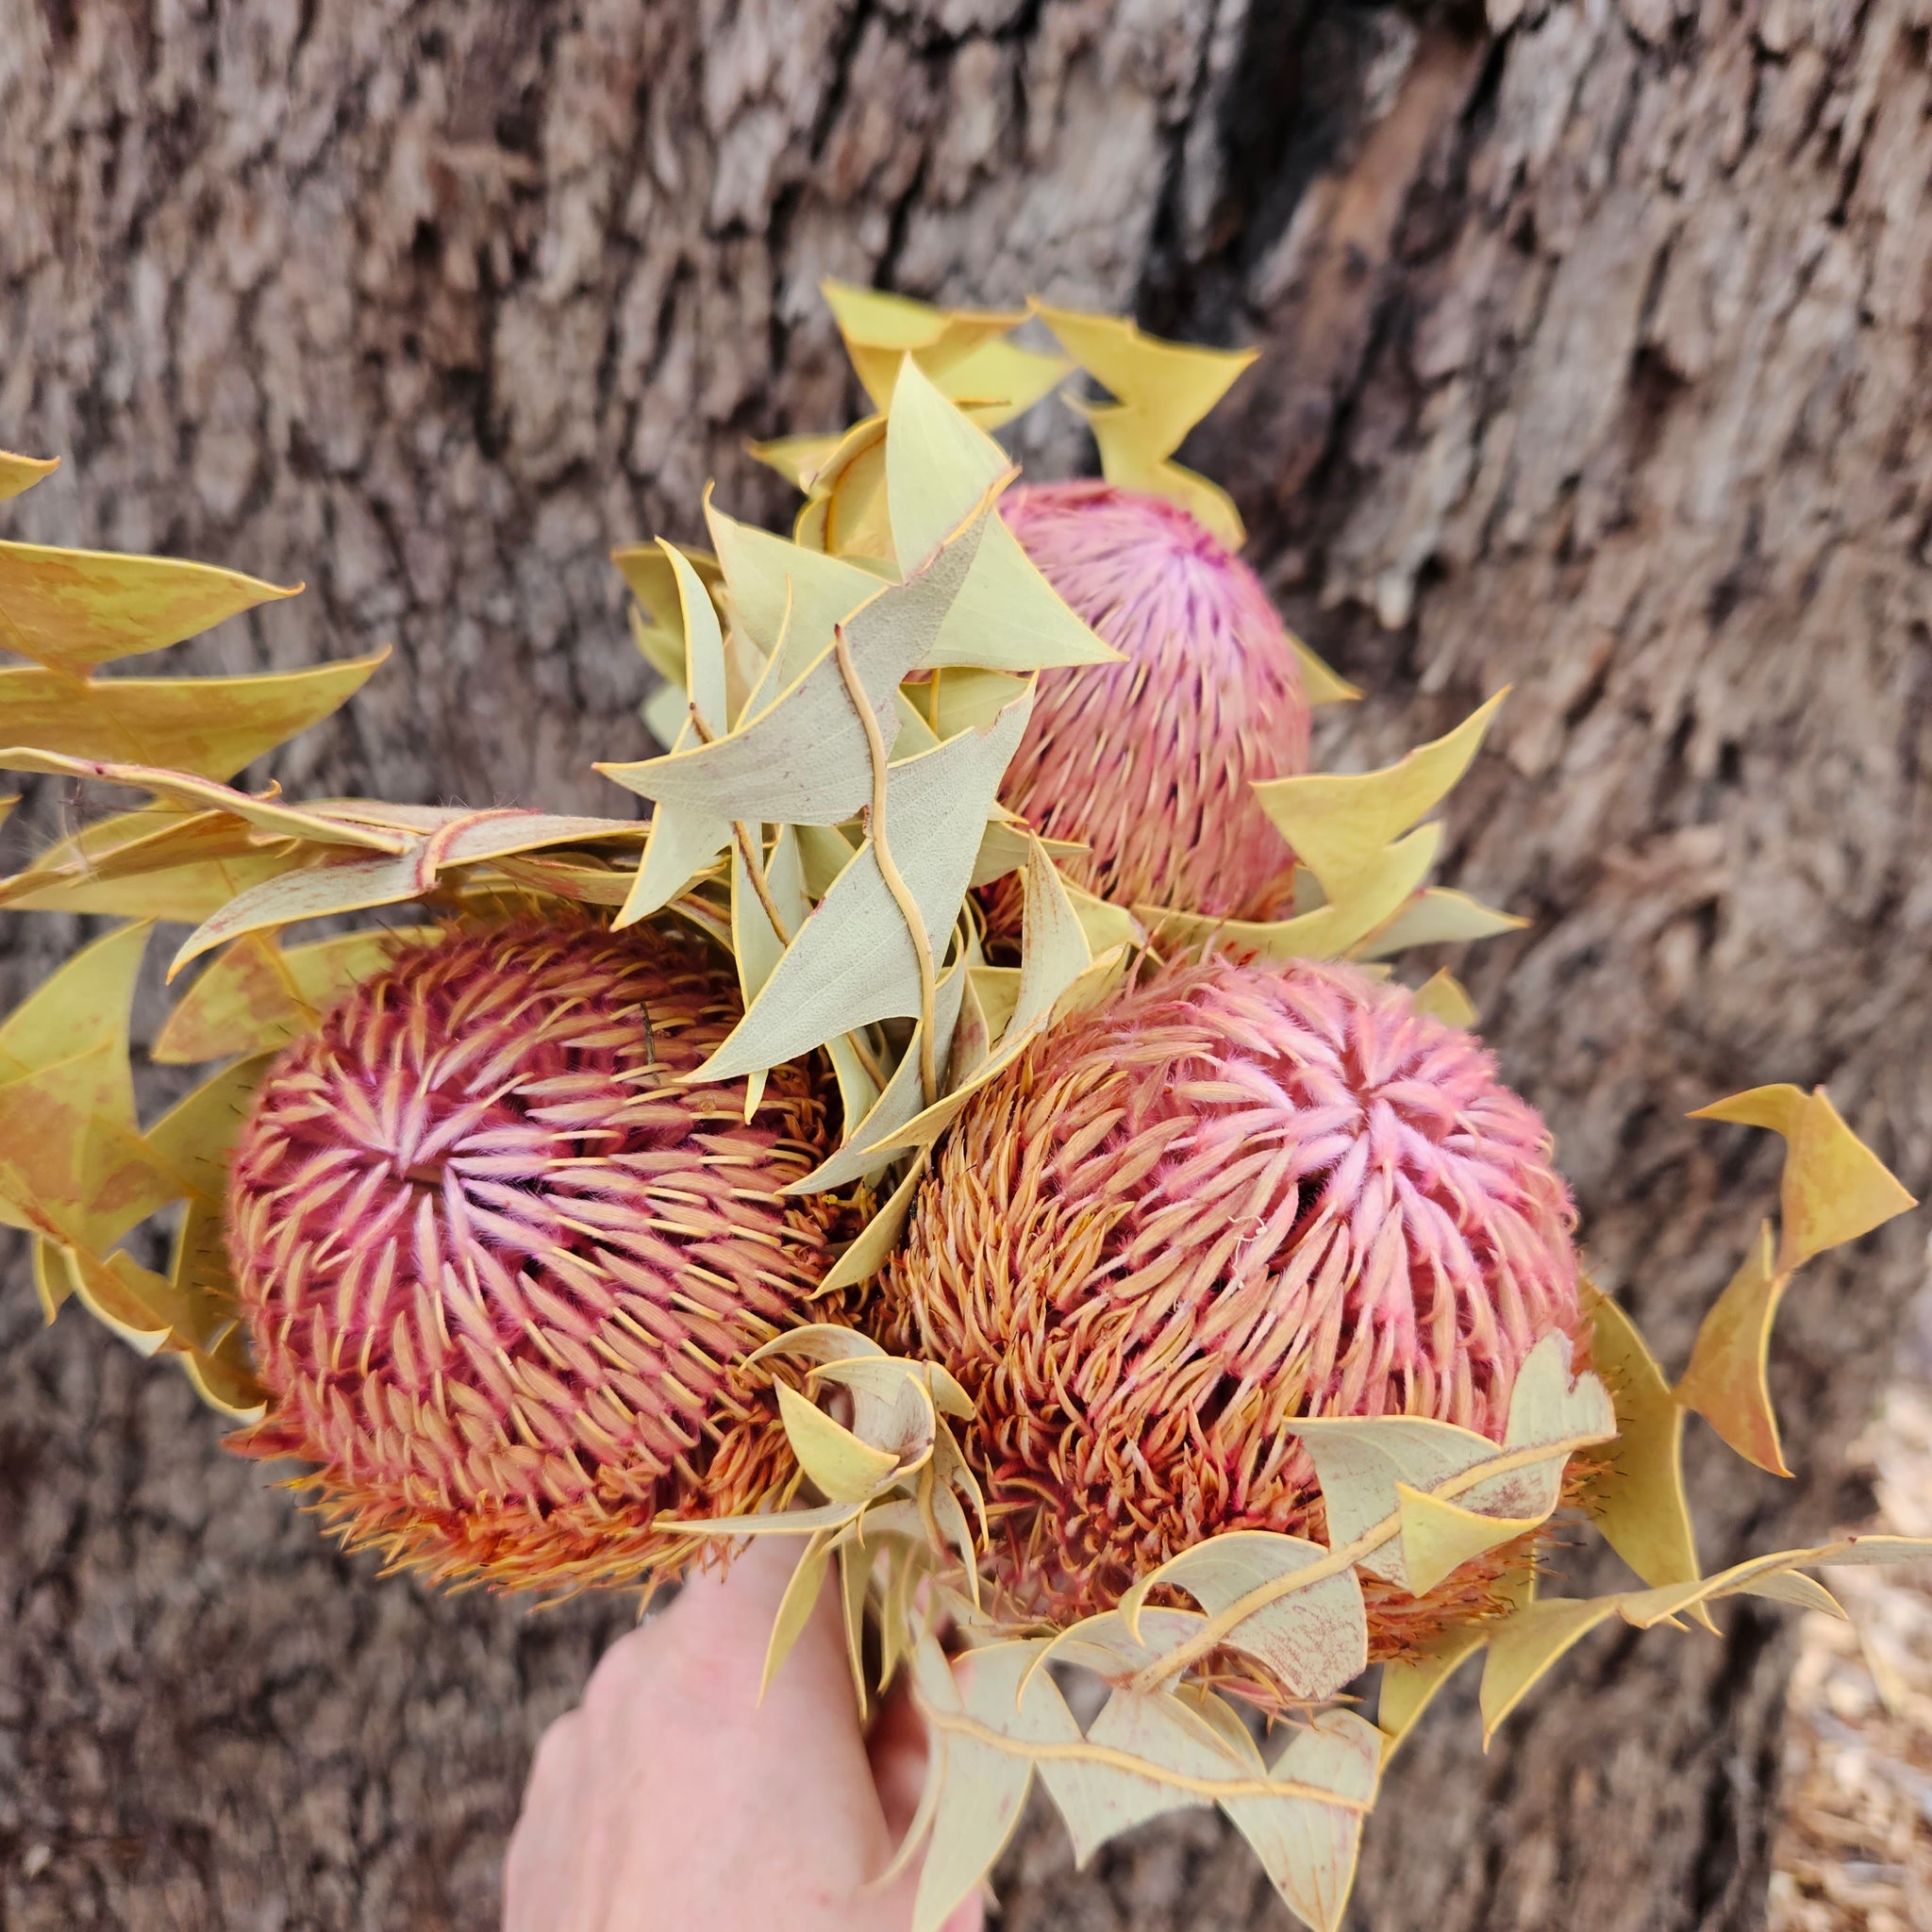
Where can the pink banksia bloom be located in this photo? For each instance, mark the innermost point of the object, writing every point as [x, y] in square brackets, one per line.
[1233, 1196]
[501, 1270]
[1149, 762]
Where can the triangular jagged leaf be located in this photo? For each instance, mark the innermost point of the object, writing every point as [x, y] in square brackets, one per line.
[854, 962]
[1835, 1189]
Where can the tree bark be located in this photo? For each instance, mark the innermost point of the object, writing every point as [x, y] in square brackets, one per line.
[1594, 341]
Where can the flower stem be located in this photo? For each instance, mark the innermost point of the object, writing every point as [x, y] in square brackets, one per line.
[889, 870]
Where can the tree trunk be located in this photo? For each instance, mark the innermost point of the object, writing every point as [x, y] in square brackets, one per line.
[1594, 344]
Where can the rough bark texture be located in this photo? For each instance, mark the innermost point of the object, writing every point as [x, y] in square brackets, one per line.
[1594, 340]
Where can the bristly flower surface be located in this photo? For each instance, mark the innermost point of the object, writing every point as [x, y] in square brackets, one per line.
[1149, 762]
[1234, 1196]
[501, 1272]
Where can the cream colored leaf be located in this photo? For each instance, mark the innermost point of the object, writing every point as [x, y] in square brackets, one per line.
[901, 1100]
[1546, 1407]
[804, 759]
[1800, 1591]
[1835, 1189]
[891, 1405]
[1313, 1641]
[1360, 1463]
[1309, 1848]
[1340, 823]
[72, 610]
[785, 594]
[684, 842]
[818, 1341]
[1098, 1801]
[854, 961]
[704, 644]
[979, 1803]
[352, 885]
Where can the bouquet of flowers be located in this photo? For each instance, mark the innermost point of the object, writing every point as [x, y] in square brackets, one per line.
[973, 1127]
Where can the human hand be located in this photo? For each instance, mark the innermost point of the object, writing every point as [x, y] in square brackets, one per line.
[671, 1800]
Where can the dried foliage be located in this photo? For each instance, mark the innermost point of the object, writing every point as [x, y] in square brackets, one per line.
[1238, 1312]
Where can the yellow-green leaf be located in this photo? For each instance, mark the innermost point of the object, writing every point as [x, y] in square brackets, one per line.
[266, 815]
[1834, 1187]
[795, 1610]
[1168, 386]
[845, 1468]
[72, 610]
[21, 473]
[1367, 899]
[1438, 917]
[1441, 994]
[1340, 823]
[1728, 1382]
[1638, 1501]
[1320, 684]
[1438, 1537]
[211, 727]
[873, 1247]
[854, 962]
[256, 995]
[1522, 1647]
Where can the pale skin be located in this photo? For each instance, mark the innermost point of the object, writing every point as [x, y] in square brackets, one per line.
[673, 1800]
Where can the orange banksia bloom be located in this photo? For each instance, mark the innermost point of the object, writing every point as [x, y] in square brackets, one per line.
[500, 1272]
[1234, 1196]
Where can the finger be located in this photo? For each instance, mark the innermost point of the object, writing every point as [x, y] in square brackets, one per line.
[900, 1747]
[537, 1876]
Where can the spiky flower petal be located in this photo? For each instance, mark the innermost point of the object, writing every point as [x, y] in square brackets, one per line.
[501, 1270]
[1149, 762]
[1233, 1196]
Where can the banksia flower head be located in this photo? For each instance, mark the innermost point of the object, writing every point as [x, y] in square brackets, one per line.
[1233, 1197]
[1150, 762]
[501, 1270]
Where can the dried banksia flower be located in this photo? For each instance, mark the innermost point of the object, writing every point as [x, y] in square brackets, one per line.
[1234, 1196]
[501, 1272]
[1149, 762]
